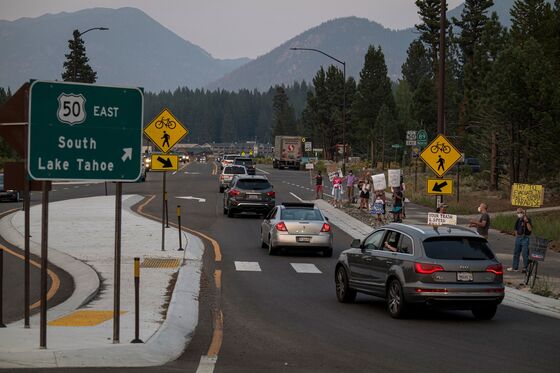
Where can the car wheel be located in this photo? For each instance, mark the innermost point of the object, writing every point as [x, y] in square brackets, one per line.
[485, 312]
[344, 293]
[327, 253]
[396, 304]
[271, 249]
[221, 189]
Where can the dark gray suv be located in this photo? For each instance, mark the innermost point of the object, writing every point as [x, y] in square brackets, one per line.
[249, 193]
[447, 266]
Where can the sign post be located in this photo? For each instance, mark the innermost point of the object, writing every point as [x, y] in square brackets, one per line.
[83, 132]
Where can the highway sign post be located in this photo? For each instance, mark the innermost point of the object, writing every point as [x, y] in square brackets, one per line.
[84, 132]
[440, 155]
[165, 130]
[439, 187]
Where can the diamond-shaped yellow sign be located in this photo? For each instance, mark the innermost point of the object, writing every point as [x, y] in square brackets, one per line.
[440, 155]
[165, 130]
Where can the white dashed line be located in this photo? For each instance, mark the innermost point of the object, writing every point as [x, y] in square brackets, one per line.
[248, 266]
[305, 268]
[263, 171]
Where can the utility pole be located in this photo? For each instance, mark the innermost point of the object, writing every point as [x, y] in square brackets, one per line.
[441, 75]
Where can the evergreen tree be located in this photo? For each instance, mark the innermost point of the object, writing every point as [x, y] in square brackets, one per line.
[429, 11]
[472, 23]
[284, 118]
[528, 20]
[76, 67]
[417, 65]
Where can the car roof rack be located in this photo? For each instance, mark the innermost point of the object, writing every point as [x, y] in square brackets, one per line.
[298, 204]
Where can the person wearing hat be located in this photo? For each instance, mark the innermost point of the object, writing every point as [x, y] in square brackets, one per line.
[523, 229]
[441, 208]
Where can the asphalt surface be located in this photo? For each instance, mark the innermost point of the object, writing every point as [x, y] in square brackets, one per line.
[278, 320]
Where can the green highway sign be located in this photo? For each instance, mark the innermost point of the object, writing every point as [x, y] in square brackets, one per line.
[84, 132]
[422, 138]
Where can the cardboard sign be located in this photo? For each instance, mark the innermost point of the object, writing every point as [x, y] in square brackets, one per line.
[441, 219]
[309, 166]
[394, 178]
[527, 195]
[379, 182]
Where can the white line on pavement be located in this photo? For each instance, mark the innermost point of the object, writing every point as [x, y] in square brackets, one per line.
[263, 171]
[296, 197]
[305, 268]
[248, 266]
[207, 364]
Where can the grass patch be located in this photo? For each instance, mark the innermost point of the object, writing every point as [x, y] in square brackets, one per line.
[545, 224]
[543, 286]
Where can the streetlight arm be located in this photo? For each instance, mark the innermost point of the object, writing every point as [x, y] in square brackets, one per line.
[93, 28]
[319, 51]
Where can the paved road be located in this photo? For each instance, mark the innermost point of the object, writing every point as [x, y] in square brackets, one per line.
[281, 320]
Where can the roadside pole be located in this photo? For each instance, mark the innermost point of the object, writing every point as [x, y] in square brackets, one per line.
[458, 176]
[117, 269]
[163, 216]
[44, 264]
[179, 225]
[26, 208]
[2, 288]
[136, 302]
[166, 210]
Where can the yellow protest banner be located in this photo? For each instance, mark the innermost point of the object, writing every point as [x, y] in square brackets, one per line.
[527, 195]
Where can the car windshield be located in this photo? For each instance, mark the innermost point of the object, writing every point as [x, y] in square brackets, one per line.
[301, 214]
[234, 170]
[252, 184]
[457, 248]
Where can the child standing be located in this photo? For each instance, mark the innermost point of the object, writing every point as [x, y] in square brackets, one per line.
[378, 208]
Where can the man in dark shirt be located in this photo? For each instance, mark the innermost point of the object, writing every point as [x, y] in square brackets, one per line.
[318, 185]
[523, 229]
[483, 223]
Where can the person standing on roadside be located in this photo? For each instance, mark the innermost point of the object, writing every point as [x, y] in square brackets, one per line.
[482, 225]
[337, 191]
[523, 229]
[350, 181]
[364, 194]
[318, 185]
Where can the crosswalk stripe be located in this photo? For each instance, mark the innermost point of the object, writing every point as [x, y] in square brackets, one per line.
[248, 266]
[305, 268]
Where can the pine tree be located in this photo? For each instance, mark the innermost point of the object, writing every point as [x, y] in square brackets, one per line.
[417, 65]
[76, 67]
[284, 118]
[429, 11]
[528, 20]
[472, 23]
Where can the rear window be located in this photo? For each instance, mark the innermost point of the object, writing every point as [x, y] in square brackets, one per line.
[230, 157]
[252, 184]
[457, 248]
[244, 162]
[301, 214]
[234, 170]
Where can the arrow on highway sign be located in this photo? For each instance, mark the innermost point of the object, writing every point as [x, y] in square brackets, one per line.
[165, 162]
[439, 187]
[127, 154]
[200, 200]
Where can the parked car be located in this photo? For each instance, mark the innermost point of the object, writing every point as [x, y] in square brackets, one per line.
[249, 193]
[299, 226]
[228, 159]
[8, 195]
[227, 174]
[247, 162]
[449, 267]
[472, 163]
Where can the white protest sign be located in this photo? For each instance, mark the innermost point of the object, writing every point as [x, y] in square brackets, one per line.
[441, 219]
[332, 175]
[379, 182]
[394, 178]
[309, 166]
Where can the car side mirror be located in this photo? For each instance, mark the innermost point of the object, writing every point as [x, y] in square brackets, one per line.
[356, 243]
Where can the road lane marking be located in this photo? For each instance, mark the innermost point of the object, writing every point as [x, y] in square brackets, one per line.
[296, 197]
[206, 364]
[263, 171]
[305, 268]
[247, 266]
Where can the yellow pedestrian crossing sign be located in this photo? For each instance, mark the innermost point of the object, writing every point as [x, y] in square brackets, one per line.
[440, 155]
[165, 130]
[164, 162]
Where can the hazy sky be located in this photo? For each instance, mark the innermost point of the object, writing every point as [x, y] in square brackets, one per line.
[235, 28]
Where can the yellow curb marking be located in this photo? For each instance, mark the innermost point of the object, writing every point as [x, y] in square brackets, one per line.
[84, 318]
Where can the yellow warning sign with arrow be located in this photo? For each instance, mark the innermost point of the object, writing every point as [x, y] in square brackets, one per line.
[439, 187]
[164, 162]
[165, 130]
[440, 155]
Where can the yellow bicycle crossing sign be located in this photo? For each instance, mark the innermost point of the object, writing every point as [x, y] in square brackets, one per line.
[165, 130]
[440, 155]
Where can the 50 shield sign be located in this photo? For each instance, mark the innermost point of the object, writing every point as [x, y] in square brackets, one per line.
[84, 132]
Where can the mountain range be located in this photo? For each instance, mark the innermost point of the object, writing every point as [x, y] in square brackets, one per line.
[138, 51]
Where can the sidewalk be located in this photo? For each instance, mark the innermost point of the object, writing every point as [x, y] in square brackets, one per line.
[416, 214]
[80, 330]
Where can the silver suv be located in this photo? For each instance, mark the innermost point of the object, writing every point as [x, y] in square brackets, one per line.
[450, 267]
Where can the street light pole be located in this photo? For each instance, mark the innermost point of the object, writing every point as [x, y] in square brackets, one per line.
[76, 35]
[343, 63]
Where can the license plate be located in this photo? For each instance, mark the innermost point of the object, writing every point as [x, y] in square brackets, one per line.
[303, 239]
[464, 276]
[253, 196]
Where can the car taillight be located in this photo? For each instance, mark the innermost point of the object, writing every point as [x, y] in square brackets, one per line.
[427, 269]
[496, 269]
[234, 192]
[271, 194]
[326, 228]
[281, 227]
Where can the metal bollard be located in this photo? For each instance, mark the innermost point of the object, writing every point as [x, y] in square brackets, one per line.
[179, 224]
[136, 302]
[2, 287]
